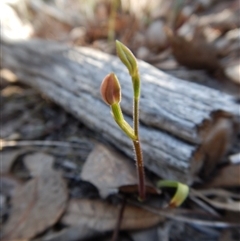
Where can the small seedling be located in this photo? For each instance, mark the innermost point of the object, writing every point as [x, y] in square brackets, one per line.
[111, 94]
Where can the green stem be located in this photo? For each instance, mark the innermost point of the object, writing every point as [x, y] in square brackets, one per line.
[136, 116]
[118, 117]
[136, 85]
[136, 143]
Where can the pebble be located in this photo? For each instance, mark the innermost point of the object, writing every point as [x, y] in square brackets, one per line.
[143, 53]
[155, 35]
[233, 73]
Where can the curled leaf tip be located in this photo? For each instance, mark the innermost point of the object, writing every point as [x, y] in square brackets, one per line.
[127, 58]
[181, 193]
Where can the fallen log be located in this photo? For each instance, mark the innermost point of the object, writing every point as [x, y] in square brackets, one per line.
[184, 127]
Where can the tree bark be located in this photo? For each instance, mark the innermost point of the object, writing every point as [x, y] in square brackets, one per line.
[182, 125]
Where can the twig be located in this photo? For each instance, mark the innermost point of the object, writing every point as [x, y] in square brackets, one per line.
[219, 193]
[204, 206]
[173, 215]
[119, 220]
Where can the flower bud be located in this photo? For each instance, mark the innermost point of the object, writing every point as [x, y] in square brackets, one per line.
[111, 89]
[127, 58]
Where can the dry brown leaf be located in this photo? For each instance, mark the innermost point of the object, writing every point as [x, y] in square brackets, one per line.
[195, 53]
[109, 171]
[102, 216]
[228, 176]
[36, 205]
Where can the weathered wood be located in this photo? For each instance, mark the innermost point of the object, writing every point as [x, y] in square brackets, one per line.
[183, 125]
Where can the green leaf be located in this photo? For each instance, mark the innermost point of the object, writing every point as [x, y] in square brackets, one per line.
[127, 58]
[181, 192]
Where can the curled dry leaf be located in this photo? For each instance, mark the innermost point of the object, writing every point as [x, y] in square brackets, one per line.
[102, 216]
[109, 172]
[36, 205]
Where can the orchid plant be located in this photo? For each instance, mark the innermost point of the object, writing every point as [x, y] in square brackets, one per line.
[111, 94]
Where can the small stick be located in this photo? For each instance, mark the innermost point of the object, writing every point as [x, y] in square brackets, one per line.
[173, 215]
[119, 220]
